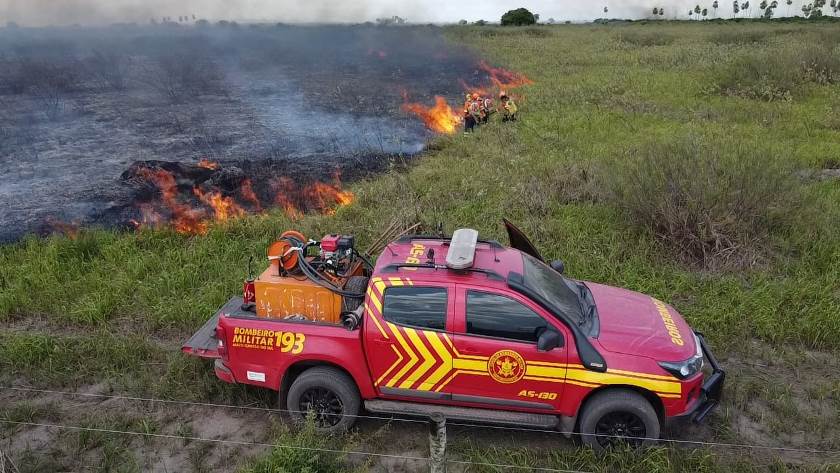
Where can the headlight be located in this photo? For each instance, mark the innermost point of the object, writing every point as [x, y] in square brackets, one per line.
[688, 368]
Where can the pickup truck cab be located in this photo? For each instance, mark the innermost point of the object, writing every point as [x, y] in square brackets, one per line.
[478, 331]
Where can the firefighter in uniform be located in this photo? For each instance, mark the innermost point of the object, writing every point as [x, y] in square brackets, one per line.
[469, 119]
[508, 107]
[489, 108]
[475, 108]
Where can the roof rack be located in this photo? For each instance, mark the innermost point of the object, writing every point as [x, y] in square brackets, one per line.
[396, 267]
[408, 238]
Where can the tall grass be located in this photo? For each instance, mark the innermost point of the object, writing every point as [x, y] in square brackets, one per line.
[714, 201]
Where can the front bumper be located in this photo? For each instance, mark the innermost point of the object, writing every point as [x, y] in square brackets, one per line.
[712, 389]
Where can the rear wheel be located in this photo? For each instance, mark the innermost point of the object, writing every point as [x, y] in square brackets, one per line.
[618, 417]
[326, 394]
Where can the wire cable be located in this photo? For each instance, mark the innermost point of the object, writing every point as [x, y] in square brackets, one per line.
[422, 421]
[278, 445]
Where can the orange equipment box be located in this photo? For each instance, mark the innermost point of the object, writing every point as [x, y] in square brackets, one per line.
[279, 297]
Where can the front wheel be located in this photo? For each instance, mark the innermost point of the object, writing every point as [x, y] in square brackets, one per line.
[328, 395]
[618, 417]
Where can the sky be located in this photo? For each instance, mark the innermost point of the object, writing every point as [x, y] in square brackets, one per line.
[88, 12]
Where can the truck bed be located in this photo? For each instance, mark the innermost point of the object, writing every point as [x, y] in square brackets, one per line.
[204, 343]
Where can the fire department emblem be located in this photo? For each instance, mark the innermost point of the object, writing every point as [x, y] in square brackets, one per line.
[506, 366]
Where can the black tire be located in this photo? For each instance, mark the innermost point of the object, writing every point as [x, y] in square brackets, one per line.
[330, 394]
[356, 284]
[623, 413]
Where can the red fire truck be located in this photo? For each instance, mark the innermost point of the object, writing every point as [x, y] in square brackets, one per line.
[464, 327]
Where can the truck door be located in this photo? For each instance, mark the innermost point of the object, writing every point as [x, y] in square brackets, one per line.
[407, 336]
[497, 360]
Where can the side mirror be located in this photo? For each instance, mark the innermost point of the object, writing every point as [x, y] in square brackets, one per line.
[558, 266]
[549, 340]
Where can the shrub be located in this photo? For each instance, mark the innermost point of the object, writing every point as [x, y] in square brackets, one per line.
[768, 77]
[713, 204]
[777, 76]
[518, 17]
[644, 39]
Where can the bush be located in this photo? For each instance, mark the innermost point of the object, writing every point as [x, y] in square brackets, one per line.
[713, 204]
[769, 77]
[637, 38]
[518, 17]
[778, 76]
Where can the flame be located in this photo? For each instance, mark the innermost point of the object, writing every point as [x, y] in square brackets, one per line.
[248, 194]
[184, 218]
[60, 227]
[223, 207]
[207, 164]
[174, 205]
[440, 117]
[320, 196]
[503, 78]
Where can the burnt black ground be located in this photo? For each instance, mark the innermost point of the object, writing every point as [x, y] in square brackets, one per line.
[79, 106]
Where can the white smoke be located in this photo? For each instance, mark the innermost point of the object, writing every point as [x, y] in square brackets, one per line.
[93, 12]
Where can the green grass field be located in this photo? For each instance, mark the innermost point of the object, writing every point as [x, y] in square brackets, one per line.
[738, 115]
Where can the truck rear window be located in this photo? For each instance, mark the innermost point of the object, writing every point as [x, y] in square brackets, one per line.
[423, 307]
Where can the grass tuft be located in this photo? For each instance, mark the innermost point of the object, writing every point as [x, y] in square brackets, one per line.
[713, 205]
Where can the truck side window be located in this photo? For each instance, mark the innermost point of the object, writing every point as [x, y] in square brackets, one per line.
[494, 315]
[423, 307]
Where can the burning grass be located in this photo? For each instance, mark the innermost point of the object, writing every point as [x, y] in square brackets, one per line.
[191, 208]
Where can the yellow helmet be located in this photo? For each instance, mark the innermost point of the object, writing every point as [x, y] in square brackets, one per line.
[469, 96]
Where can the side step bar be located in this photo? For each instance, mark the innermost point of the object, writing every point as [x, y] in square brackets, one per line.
[485, 416]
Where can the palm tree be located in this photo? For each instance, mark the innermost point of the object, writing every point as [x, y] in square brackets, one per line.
[697, 11]
[655, 11]
[744, 7]
[661, 11]
[606, 10]
[735, 8]
[715, 7]
[705, 12]
[789, 3]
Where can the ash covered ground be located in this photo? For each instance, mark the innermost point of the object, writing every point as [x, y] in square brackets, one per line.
[89, 117]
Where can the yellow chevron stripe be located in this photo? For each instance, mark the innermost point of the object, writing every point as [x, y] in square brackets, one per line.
[399, 360]
[611, 378]
[409, 281]
[444, 368]
[395, 281]
[586, 385]
[642, 375]
[378, 325]
[456, 373]
[428, 359]
[539, 371]
[380, 286]
[469, 365]
[412, 358]
[377, 304]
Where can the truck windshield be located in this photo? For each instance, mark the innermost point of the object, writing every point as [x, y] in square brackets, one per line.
[562, 293]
